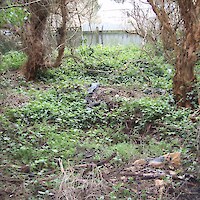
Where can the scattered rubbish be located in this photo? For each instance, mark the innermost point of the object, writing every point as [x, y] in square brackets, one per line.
[89, 100]
[93, 87]
[99, 176]
[172, 160]
[158, 162]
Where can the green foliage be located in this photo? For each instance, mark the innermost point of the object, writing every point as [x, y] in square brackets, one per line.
[11, 61]
[126, 151]
[117, 65]
[56, 123]
[14, 16]
[197, 70]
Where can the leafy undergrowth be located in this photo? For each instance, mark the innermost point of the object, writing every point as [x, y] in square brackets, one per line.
[48, 123]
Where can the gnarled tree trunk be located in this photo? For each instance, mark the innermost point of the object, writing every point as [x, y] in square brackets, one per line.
[184, 84]
[184, 80]
[33, 37]
[182, 31]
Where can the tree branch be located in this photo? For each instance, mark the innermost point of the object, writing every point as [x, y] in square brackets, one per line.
[19, 5]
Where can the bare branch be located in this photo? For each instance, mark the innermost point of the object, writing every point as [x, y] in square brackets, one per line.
[19, 5]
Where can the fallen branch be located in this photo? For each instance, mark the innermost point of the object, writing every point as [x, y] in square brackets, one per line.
[4, 192]
[85, 166]
[144, 176]
[99, 163]
[51, 178]
[106, 160]
[8, 179]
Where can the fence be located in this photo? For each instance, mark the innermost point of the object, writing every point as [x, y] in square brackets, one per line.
[111, 38]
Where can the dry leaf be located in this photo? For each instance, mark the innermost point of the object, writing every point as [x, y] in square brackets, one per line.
[140, 162]
[174, 159]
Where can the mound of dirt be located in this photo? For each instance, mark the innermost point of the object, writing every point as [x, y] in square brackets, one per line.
[112, 95]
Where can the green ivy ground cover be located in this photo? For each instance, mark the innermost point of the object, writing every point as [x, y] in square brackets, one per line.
[54, 121]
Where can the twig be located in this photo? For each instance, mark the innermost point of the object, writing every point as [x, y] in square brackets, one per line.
[146, 77]
[19, 5]
[85, 165]
[48, 179]
[107, 160]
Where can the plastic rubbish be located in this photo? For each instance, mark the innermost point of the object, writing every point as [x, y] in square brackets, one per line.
[172, 160]
[93, 87]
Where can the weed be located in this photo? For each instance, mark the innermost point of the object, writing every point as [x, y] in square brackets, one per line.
[56, 123]
[12, 61]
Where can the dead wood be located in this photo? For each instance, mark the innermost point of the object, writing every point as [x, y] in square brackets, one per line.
[144, 176]
[8, 179]
[107, 160]
[99, 163]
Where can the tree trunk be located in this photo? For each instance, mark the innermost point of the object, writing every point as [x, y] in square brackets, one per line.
[184, 81]
[33, 38]
[184, 41]
[62, 34]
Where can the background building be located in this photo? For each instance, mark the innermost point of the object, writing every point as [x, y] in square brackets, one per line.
[110, 25]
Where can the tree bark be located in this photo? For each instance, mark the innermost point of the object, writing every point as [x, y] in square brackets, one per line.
[185, 43]
[62, 34]
[33, 38]
[184, 81]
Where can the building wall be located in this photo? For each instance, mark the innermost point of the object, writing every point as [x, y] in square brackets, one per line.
[111, 38]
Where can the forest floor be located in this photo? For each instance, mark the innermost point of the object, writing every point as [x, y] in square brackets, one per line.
[102, 128]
